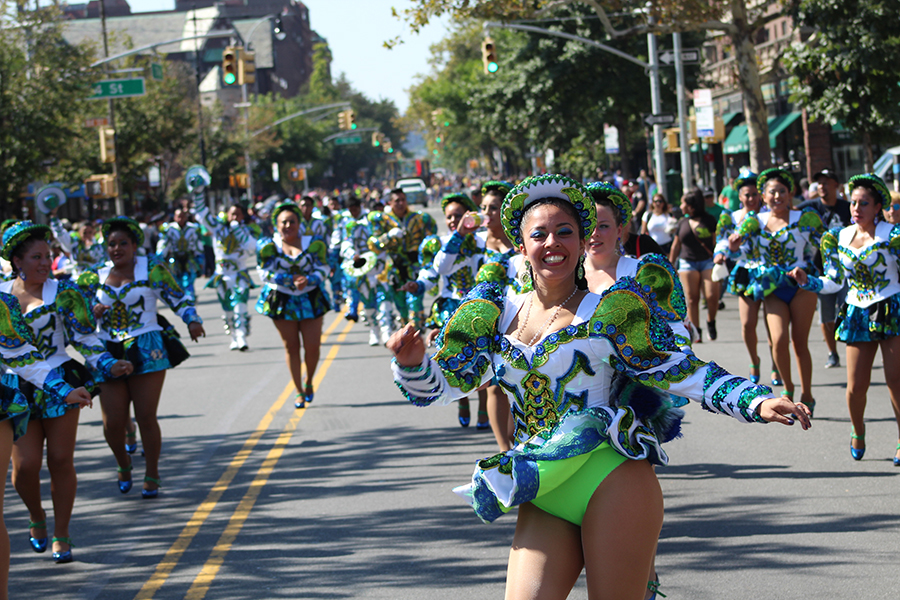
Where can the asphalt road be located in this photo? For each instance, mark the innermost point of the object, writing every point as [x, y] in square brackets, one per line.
[350, 498]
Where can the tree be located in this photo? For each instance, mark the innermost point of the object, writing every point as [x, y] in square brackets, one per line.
[733, 17]
[41, 76]
[847, 70]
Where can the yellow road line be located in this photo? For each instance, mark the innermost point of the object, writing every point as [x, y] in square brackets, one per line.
[174, 553]
[209, 571]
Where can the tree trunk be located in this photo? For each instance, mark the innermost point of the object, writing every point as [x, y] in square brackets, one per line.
[867, 146]
[748, 80]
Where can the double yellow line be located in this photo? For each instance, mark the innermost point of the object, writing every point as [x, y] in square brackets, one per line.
[211, 568]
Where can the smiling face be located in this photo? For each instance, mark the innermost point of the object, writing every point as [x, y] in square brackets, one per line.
[864, 206]
[749, 197]
[551, 244]
[777, 196]
[288, 224]
[453, 214]
[33, 260]
[121, 248]
[604, 241]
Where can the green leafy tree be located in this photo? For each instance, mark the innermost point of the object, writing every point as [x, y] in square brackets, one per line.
[41, 79]
[738, 19]
[847, 71]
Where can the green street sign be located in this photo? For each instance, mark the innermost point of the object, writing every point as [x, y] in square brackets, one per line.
[343, 141]
[156, 71]
[118, 88]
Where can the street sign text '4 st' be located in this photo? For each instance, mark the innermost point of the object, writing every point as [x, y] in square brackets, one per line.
[689, 56]
[118, 88]
[660, 119]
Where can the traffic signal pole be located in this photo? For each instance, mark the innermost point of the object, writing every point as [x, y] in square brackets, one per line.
[659, 155]
[246, 105]
[684, 137]
[120, 201]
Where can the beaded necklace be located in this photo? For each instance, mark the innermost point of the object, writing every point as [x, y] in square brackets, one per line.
[546, 323]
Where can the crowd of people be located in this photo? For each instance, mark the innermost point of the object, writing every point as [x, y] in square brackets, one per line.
[572, 312]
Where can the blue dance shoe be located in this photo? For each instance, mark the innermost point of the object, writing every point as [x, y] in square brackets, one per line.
[754, 378]
[776, 378]
[132, 447]
[653, 586]
[37, 544]
[124, 486]
[66, 555]
[147, 494]
[308, 394]
[897, 460]
[857, 454]
[300, 402]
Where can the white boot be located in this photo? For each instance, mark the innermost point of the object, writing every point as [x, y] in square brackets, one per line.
[240, 341]
[374, 329]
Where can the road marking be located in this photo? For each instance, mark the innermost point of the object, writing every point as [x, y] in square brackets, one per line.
[174, 553]
[216, 558]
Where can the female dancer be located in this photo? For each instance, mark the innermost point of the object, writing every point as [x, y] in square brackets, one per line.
[452, 260]
[782, 239]
[501, 265]
[751, 202]
[126, 290]
[54, 314]
[294, 268]
[693, 248]
[866, 255]
[234, 244]
[604, 265]
[596, 501]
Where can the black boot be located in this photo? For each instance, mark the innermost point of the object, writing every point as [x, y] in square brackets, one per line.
[711, 328]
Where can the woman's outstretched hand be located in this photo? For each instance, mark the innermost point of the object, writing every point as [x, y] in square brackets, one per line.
[785, 411]
[407, 346]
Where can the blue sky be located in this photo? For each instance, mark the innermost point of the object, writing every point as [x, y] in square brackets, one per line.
[356, 30]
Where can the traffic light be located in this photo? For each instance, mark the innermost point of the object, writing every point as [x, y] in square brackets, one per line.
[436, 117]
[377, 138]
[351, 119]
[489, 56]
[246, 68]
[101, 186]
[344, 119]
[230, 57]
[386, 146]
[107, 144]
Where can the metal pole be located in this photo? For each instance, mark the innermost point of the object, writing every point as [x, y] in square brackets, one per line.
[120, 201]
[247, 144]
[682, 116]
[199, 95]
[659, 154]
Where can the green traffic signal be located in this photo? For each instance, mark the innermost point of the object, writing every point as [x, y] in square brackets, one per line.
[492, 67]
[438, 139]
[446, 123]
[353, 126]
[230, 78]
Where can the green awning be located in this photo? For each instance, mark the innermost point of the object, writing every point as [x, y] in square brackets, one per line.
[738, 140]
[727, 118]
[777, 125]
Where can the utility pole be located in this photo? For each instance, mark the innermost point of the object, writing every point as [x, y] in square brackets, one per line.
[246, 105]
[120, 201]
[682, 116]
[199, 93]
[659, 156]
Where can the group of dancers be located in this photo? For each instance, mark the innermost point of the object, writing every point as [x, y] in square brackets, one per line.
[592, 352]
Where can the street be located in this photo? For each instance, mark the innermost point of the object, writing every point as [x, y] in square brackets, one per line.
[350, 498]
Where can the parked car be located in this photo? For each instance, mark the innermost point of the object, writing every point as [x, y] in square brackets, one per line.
[415, 190]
